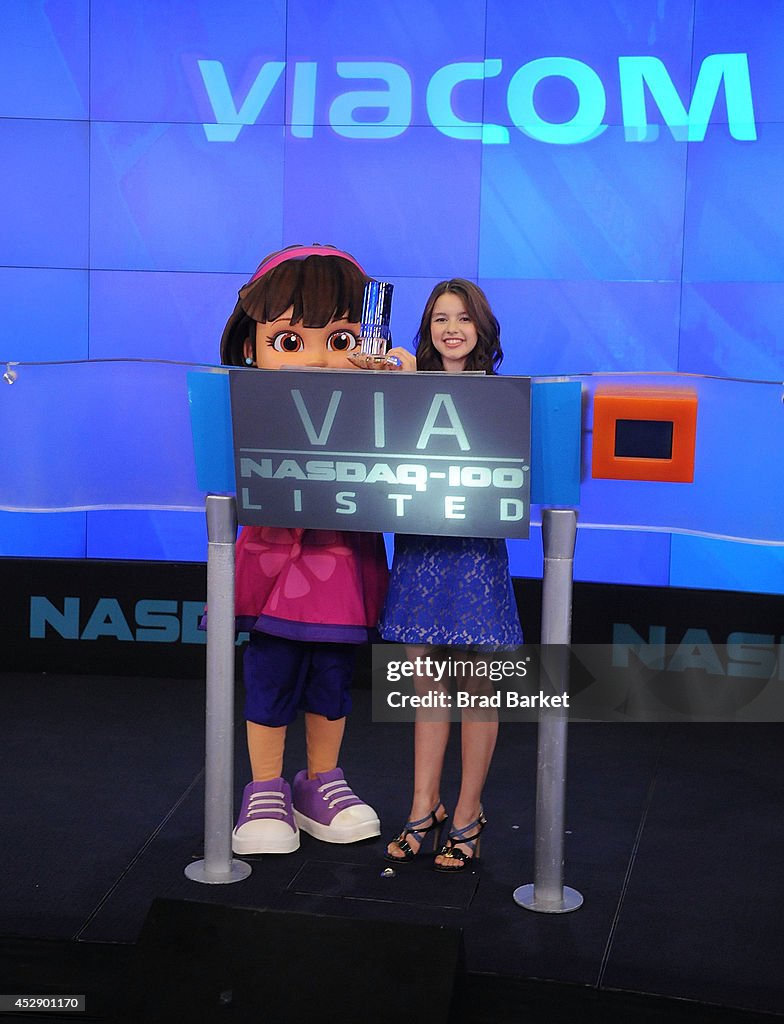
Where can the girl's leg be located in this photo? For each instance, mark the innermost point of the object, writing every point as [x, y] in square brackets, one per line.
[323, 738]
[431, 735]
[478, 740]
[479, 732]
[265, 749]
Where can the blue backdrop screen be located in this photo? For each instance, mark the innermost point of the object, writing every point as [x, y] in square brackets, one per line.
[609, 173]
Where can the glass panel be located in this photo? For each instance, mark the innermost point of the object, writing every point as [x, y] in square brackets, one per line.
[105, 434]
[96, 434]
[738, 488]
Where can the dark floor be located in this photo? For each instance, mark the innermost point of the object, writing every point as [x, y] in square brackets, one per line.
[675, 837]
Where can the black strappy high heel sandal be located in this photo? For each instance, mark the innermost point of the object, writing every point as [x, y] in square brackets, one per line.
[467, 836]
[419, 830]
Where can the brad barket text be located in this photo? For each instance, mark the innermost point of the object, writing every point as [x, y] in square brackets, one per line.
[462, 700]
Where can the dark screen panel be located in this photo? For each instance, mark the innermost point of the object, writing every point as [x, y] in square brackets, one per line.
[643, 439]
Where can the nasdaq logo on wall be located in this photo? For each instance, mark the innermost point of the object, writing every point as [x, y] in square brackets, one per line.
[112, 617]
[740, 654]
[145, 620]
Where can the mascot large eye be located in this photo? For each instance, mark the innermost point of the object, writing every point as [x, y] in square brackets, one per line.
[342, 341]
[287, 341]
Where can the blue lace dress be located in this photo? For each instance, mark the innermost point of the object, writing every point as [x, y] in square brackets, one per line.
[451, 590]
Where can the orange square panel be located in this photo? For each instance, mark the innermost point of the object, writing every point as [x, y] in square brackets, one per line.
[644, 433]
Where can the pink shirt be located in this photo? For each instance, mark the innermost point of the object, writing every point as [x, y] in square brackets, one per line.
[316, 585]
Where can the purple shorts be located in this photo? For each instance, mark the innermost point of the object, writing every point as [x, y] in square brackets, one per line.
[284, 676]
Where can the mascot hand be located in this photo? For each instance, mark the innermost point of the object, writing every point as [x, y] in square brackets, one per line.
[396, 359]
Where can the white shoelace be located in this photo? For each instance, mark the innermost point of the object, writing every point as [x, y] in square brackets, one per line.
[266, 803]
[331, 791]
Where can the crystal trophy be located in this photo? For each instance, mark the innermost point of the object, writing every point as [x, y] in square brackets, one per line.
[374, 326]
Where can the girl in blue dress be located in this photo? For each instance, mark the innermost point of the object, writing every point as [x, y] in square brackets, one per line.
[451, 591]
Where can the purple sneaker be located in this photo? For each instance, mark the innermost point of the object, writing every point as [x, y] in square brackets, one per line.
[266, 823]
[327, 808]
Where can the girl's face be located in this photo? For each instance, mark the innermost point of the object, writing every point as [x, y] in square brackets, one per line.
[452, 331]
[281, 343]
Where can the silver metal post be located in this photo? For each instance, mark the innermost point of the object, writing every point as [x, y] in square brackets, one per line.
[548, 895]
[218, 866]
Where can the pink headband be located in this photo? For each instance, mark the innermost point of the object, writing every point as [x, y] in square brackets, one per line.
[300, 252]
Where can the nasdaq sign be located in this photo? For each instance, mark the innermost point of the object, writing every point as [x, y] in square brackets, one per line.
[397, 452]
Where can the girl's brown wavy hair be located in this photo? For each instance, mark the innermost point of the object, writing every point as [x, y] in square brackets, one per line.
[487, 354]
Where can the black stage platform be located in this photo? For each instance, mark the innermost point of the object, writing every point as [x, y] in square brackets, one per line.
[675, 838]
